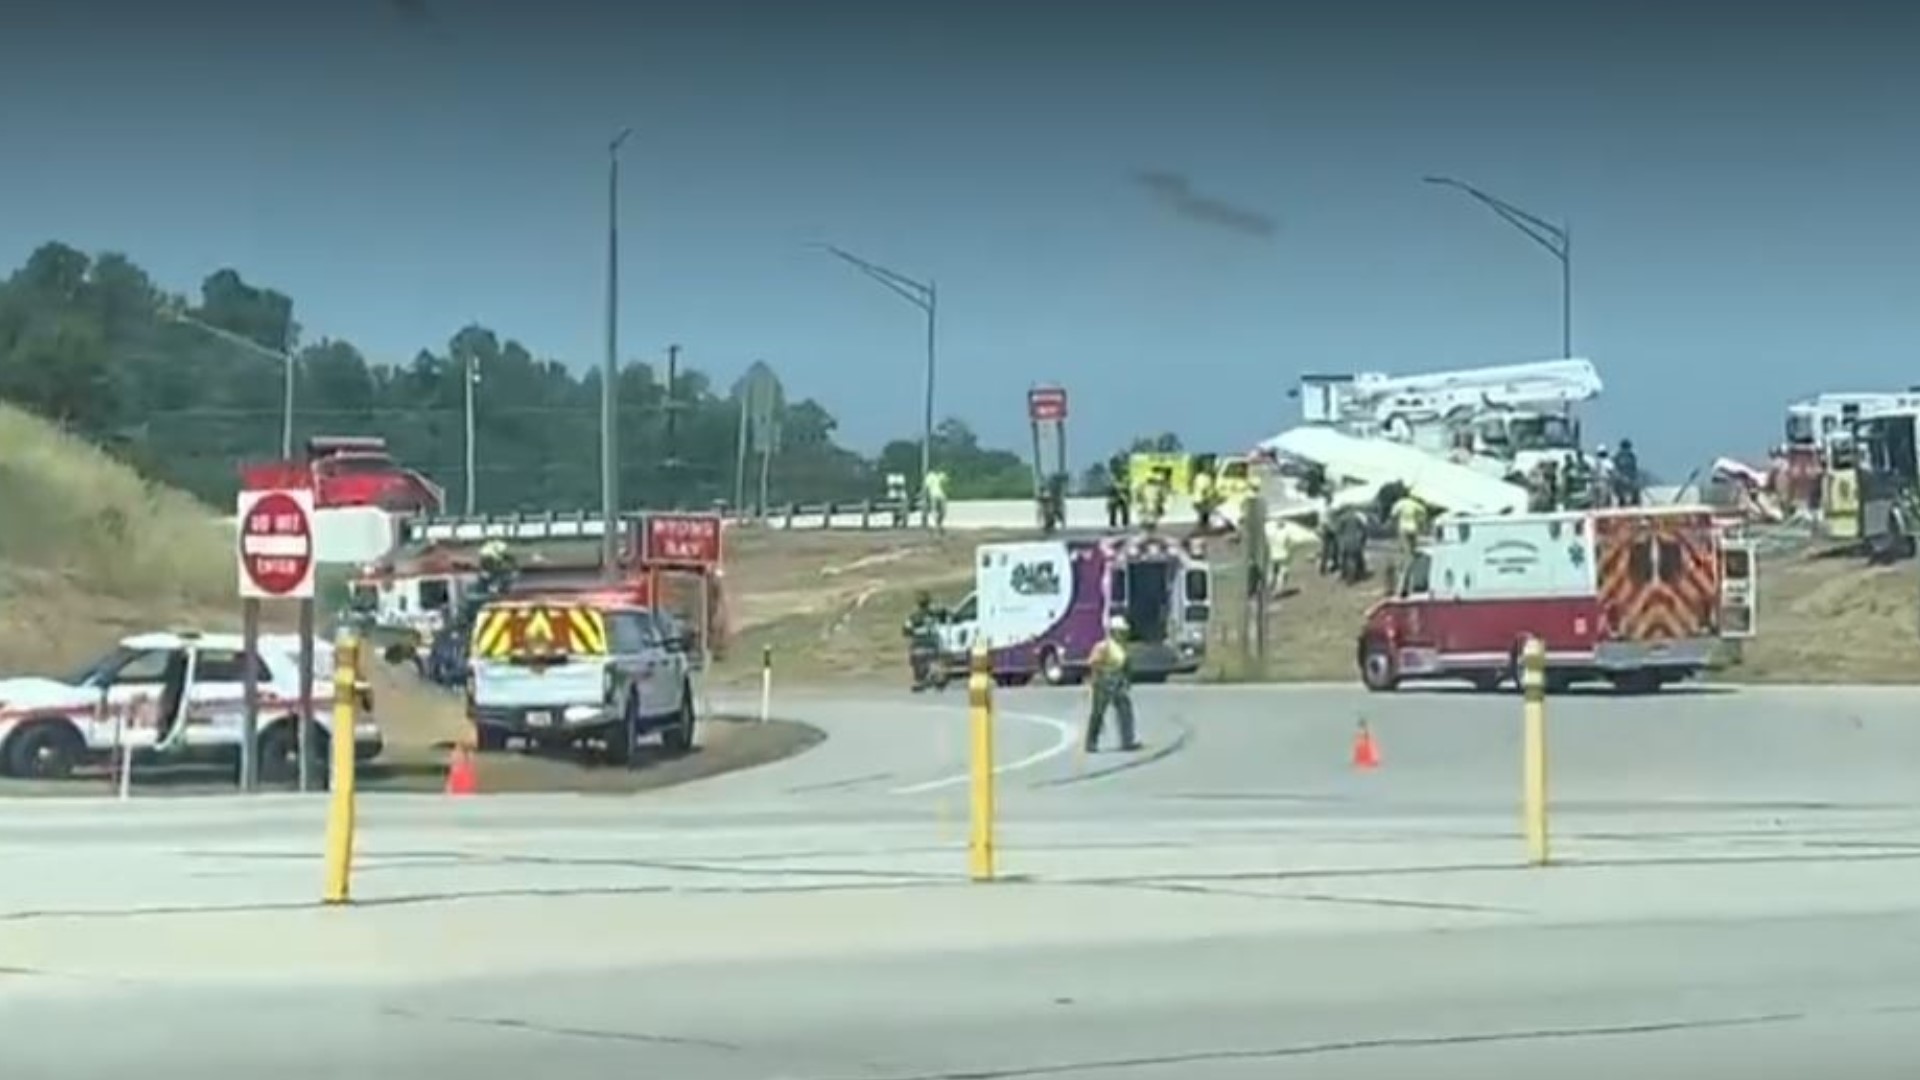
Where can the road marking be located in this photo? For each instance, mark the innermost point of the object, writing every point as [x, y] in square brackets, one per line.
[1069, 737]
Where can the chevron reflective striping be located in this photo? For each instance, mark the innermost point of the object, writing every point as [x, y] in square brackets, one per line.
[491, 639]
[589, 629]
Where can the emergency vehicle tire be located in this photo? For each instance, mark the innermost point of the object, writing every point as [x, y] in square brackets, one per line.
[1378, 671]
[677, 737]
[44, 750]
[1487, 682]
[1053, 667]
[619, 738]
[489, 739]
[279, 753]
[1637, 682]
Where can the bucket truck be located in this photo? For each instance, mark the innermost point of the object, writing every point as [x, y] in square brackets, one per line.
[1516, 415]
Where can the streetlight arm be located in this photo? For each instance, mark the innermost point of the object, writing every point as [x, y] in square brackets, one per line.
[913, 292]
[231, 338]
[1548, 235]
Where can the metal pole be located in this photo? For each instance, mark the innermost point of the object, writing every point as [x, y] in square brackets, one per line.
[286, 416]
[304, 739]
[926, 421]
[1566, 292]
[471, 375]
[610, 369]
[250, 697]
[671, 462]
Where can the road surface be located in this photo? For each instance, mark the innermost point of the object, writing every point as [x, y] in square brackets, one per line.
[1736, 895]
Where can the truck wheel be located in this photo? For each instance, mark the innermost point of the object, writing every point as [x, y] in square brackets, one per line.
[1377, 668]
[1486, 682]
[488, 739]
[677, 737]
[1053, 668]
[619, 738]
[278, 753]
[1636, 682]
[44, 750]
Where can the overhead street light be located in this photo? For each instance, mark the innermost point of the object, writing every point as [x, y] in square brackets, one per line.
[923, 296]
[1556, 239]
[610, 368]
[240, 341]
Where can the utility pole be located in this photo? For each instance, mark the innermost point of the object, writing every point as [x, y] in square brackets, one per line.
[671, 456]
[610, 370]
[924, 296]
[1556, 239]
[472, 371]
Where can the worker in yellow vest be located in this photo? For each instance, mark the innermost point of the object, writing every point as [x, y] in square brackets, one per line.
[934, 489]
[1206, 500]
[1410, 521]
[1111, 687]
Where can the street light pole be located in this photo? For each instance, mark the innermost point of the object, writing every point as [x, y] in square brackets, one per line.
[923, 296]
[472, 376]
[1556, 239]
[610, 369]
[283, 357]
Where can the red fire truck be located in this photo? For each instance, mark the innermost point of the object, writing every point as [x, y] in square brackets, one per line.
[358, 471]
[1636, 596]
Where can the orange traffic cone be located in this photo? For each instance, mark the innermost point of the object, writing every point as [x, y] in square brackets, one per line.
[1365, 754]
[462, 779]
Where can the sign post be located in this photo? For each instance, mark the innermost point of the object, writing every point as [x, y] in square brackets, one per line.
[1047, 413]
[276, 556]
[687, 543]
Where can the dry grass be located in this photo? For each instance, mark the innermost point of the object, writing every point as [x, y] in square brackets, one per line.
[89, 551]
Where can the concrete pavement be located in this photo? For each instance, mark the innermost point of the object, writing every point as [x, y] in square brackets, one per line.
[1738, 895]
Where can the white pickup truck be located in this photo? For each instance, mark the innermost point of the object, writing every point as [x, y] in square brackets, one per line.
[556, 673]
[177, 694]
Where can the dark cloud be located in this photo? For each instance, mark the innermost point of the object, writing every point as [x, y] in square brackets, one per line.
[412, 11]
[1175, 192]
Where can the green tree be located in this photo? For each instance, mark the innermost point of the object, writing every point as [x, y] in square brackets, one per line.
[90, 343]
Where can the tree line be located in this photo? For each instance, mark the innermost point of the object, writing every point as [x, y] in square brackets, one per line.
[169, 385]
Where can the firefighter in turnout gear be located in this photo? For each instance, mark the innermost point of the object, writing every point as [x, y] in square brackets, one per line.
[1111, 687]
[497, 568]
[922, 632]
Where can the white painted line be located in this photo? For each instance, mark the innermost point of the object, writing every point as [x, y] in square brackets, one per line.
[1069, 734]
[286, 547]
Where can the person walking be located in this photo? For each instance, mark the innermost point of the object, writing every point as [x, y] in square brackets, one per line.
[1112, 689]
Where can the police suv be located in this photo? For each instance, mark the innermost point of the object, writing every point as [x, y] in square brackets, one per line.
[177, 696]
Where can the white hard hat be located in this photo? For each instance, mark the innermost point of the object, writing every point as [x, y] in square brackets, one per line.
[1118, 622]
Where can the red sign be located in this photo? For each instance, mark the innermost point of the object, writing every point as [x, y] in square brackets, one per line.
[1046, 403]
[680, 539]
[276, 544]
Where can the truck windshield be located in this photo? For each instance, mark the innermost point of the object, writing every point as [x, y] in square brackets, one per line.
[1800, 430]
[1541, 433]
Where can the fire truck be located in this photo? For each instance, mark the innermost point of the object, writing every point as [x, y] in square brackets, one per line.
[424, 593]
[1637, 596]
[359, 471]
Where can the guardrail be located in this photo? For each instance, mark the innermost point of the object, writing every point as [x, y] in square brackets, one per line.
[877, 515]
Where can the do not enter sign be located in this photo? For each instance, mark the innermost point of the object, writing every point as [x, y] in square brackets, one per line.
[276, 545]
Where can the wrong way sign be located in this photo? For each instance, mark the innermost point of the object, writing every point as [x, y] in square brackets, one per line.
[276, 544]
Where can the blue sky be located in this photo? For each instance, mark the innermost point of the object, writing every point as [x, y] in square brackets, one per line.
[1739, 190]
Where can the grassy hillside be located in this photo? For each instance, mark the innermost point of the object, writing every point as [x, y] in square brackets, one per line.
[88, 550]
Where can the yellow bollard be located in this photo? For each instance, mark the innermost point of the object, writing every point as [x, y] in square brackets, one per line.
[980, 724]
[1533, 688]
[340, 807]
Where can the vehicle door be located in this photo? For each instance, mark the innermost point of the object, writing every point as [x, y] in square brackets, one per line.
[961, 628]
[638, 654]
[1196, 602]
[215, 704]
[132, 695]
[1422, 622]
[1739, 601]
